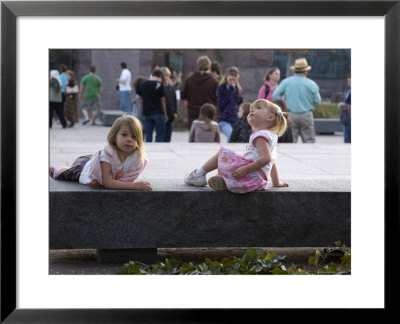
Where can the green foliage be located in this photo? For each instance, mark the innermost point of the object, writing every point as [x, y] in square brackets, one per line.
[332, 261]
[326, 110]
[313, 260]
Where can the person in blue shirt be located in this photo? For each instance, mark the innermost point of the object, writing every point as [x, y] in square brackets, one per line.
[301, 96]
[63, 77]
[345, 114]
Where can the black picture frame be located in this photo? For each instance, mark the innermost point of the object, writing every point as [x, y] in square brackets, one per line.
[10, 10]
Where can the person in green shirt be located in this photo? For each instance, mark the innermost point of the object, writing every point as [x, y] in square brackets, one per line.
[89, 94]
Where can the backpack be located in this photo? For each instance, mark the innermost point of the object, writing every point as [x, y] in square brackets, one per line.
[344, 117]
[267, 89]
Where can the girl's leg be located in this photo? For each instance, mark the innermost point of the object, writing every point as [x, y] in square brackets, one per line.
[198, 176]
[211, 164]
[55, 172]
[73, 172]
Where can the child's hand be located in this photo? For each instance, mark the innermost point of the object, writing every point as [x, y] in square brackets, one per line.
[142, 185]
[281, 184]
[94, 184]
[239, 172]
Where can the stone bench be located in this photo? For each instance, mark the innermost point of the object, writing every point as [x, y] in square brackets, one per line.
[130, 225]
[327, 126]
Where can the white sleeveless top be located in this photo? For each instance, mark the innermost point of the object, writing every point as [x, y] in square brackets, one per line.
[252, 152]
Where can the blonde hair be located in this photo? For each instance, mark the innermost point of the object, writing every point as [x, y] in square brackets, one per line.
[232, 71]
[279, 123]
[203, 63]
[207, 114]
[166, 72]
[282, 103]
[135, 129]
[70, 73]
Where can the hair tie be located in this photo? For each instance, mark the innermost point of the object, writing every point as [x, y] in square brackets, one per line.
[278, 113]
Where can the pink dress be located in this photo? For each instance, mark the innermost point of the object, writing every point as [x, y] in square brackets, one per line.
[229, 161]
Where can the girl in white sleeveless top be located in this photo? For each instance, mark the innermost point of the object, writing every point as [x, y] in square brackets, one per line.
[250, 172]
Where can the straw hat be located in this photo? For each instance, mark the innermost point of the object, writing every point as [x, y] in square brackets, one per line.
[300, 65]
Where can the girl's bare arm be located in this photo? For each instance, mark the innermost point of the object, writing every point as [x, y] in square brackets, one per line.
[110, 183]
[275, 177]
[265, 157]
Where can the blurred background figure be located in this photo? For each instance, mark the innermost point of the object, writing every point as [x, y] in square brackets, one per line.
[242, 129]
[55, 99]
[137, 106]
[216, 69]
[199, 88]
[124, 87]
[301, 96]
[176, 79]
[64, 79]
[71, 99]
[170, 103]
[151, 93]
[345, 113]
[89, 94]
[229, 97]
[205, 129]
[287, 136]
[271, 78]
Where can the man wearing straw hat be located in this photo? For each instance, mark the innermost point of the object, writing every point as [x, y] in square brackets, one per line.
[301, 95]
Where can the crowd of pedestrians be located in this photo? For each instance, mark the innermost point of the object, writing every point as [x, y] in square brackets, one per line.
[214, 101]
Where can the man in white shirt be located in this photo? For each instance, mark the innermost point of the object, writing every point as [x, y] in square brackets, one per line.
[124, 86]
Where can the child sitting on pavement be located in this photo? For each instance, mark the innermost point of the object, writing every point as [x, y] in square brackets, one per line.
[117, 165]
[250, 172]
[205, 129]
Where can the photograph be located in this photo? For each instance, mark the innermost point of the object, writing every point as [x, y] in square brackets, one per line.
[113, 164]
[136, 173]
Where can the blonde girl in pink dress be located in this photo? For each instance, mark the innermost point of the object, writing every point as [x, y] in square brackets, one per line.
[250, 172]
